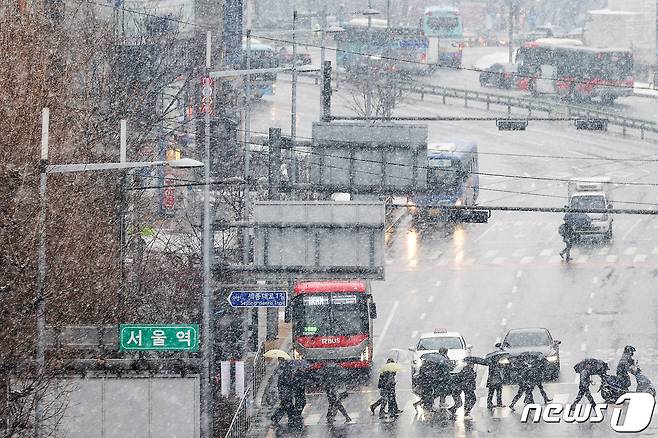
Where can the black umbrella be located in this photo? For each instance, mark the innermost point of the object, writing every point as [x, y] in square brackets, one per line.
[476, 360]
[496, 354]
[437, 358]
[577, 219]
[596, 365]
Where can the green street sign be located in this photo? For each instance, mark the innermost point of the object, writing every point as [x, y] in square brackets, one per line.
[160, 337]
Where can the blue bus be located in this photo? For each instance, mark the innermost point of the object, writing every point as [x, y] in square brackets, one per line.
[262, 56]
[452, 179]
[399, 49]
[442, 25]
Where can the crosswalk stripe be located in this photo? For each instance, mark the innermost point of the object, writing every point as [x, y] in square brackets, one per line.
[546, 252]
[630, 251]
[498, 261]
[527, 259]
[611, 258]
[655, 250]
[561, 398]
[604, 251]
[639, 258]
[582, 259]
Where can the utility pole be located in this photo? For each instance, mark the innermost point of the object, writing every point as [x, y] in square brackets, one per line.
[388, 14]
[293, 105]
[247, 151]
[510, 29]
[368, 97]
[207, 340]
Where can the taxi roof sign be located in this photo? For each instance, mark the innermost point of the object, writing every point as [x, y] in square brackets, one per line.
[440, 330]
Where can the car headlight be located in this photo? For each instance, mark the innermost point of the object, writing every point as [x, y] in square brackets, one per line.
[459, 203]
[365, 355]
[296, 355]
[553, 358]
[504, 361]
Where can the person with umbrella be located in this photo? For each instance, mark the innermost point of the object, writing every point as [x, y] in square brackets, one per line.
[587, 368]
[331, 375]
[626, 363]
[494, 377]
[386, 387]
[463, 381]
[427, 374]
[528, 379]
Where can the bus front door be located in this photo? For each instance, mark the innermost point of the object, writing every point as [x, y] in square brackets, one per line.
[546, 78]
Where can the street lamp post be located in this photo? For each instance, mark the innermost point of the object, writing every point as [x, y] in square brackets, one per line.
[42, 266]
[369, 13]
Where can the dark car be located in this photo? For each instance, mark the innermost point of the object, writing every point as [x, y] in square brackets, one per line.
[519, 342]
[501, 75]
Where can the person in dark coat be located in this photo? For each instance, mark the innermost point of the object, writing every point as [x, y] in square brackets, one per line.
[526, 385]
[335, 404]
[536, 378]
[643, 382]
[568, 236]
[442, 379]
[388, 397]
[494, 383]
[299, 393]
[426, 382]
[463, 381]
[625, 365]
[286, 393]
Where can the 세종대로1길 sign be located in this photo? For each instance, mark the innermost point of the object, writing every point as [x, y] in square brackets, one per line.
[162, 337]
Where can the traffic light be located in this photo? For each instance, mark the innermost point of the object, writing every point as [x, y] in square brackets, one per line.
[511, 124]
[592, 124]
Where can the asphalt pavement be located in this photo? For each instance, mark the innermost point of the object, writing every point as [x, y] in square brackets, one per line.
[482, 279]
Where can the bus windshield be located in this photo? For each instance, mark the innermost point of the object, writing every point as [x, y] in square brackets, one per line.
[443, 176]
[330, 314]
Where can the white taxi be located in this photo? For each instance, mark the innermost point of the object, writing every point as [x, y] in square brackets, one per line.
[457, 347]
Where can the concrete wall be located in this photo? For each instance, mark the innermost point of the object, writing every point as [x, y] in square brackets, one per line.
[140, 407]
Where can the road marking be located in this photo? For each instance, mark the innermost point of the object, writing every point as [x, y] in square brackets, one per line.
[518, 253]
[413, 291]
[583, 347]
[595, 280]
[491, 253]
[498, 261]
[483, 382]
[640, 258]
[589, 310]
[515, 289]
[509, 305]
[561, 398]
[389, 262]
[414, 333]
[503, 322]
[655, 250]
[586, 328]
[546, 252]
[430, 298]
[591, 295]
[387, 324]
[611, 258]
[604, 251]
[485, 232]
[627, 233]
[527, 259]
[582, 259]
[438, 283]
[422, 316]
[630, 251]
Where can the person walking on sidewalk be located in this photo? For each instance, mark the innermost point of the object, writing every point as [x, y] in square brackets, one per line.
[566, 231]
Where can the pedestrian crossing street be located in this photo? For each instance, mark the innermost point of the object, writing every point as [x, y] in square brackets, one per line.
[358, 406]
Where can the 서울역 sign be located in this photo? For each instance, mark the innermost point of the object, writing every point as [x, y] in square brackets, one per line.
[162, 337]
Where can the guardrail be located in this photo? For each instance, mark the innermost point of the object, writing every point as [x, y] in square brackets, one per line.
[242, 417]
[240, 422]
[645, 129]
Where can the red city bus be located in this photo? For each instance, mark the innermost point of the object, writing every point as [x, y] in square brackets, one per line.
[332, 321]
[575, 72]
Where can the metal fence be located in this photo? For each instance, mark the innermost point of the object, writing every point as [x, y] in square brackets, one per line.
[643, 129]
[242, 418]
[240, 423]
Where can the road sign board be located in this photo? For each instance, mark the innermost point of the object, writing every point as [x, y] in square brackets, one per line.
[257, 298]
[592, 124]
[162, 337]
[511, 124]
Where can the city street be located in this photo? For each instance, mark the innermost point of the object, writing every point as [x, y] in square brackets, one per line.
[482, 279]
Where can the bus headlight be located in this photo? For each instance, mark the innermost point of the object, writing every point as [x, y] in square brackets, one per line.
[552, 358]
[295, 354]
[365, 355]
